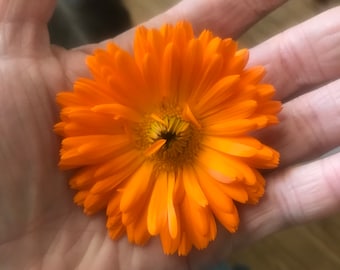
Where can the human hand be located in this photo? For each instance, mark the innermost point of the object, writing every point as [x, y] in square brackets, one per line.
[41, 227]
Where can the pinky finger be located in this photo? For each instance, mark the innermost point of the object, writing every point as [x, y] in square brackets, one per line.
[295, 195]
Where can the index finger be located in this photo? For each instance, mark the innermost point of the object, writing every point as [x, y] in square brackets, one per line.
[223, 17]
[302, 57]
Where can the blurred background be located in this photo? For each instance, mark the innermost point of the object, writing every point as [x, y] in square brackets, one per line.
[312, 246]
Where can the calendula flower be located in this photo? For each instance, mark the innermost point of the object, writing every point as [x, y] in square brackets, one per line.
[161, 136]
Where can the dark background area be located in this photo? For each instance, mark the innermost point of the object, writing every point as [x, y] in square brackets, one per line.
[77, 22]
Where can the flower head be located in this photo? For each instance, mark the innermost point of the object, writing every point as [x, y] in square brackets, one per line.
[161, 137]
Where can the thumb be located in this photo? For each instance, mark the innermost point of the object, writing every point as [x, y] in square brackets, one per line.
[23, 27]
[26, 11]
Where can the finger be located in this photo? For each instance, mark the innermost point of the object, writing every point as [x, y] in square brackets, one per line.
[295, 195]
[23, 29]
[26, 11]
[223, 17]
[303, 56]
[309, 125]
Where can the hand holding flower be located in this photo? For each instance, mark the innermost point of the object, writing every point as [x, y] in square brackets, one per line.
[41, 227]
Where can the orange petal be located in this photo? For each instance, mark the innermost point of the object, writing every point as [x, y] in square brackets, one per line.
[109, 183]
[158, 210]
[91, 149]
[137, 187]
[118, 111]
[83, 179]
[231, 128]
[207, 79]
[116, 232]
[213, 192]
[216, 163]
[113, 205]
[239, 110]
[192, 187]
[226, 168]
[153, 148]
[253, 75]
[116, 229]
[169, 245]
[172, 216]
[198, 217]
[185, 245]
[265, 91]
[229, 221]
[114, 217]
[189, 116]
[94, 202]
[192, 59]
[229, 146]
[220, 91]
[255, 192]
[129, 161]
[134, 214]
[238, 62]
[137, 231]
[170, 71]
[80, 197]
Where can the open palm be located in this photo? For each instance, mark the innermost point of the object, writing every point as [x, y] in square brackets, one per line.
[41, 228]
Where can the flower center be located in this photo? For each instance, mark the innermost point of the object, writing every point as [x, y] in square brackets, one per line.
[168, 140]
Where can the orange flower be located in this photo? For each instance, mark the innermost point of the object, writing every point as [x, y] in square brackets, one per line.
[161, 136]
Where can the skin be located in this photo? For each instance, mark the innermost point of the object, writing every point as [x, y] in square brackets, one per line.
[40, 226]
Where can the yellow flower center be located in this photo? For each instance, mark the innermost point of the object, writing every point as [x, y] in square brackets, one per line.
[168, 140]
